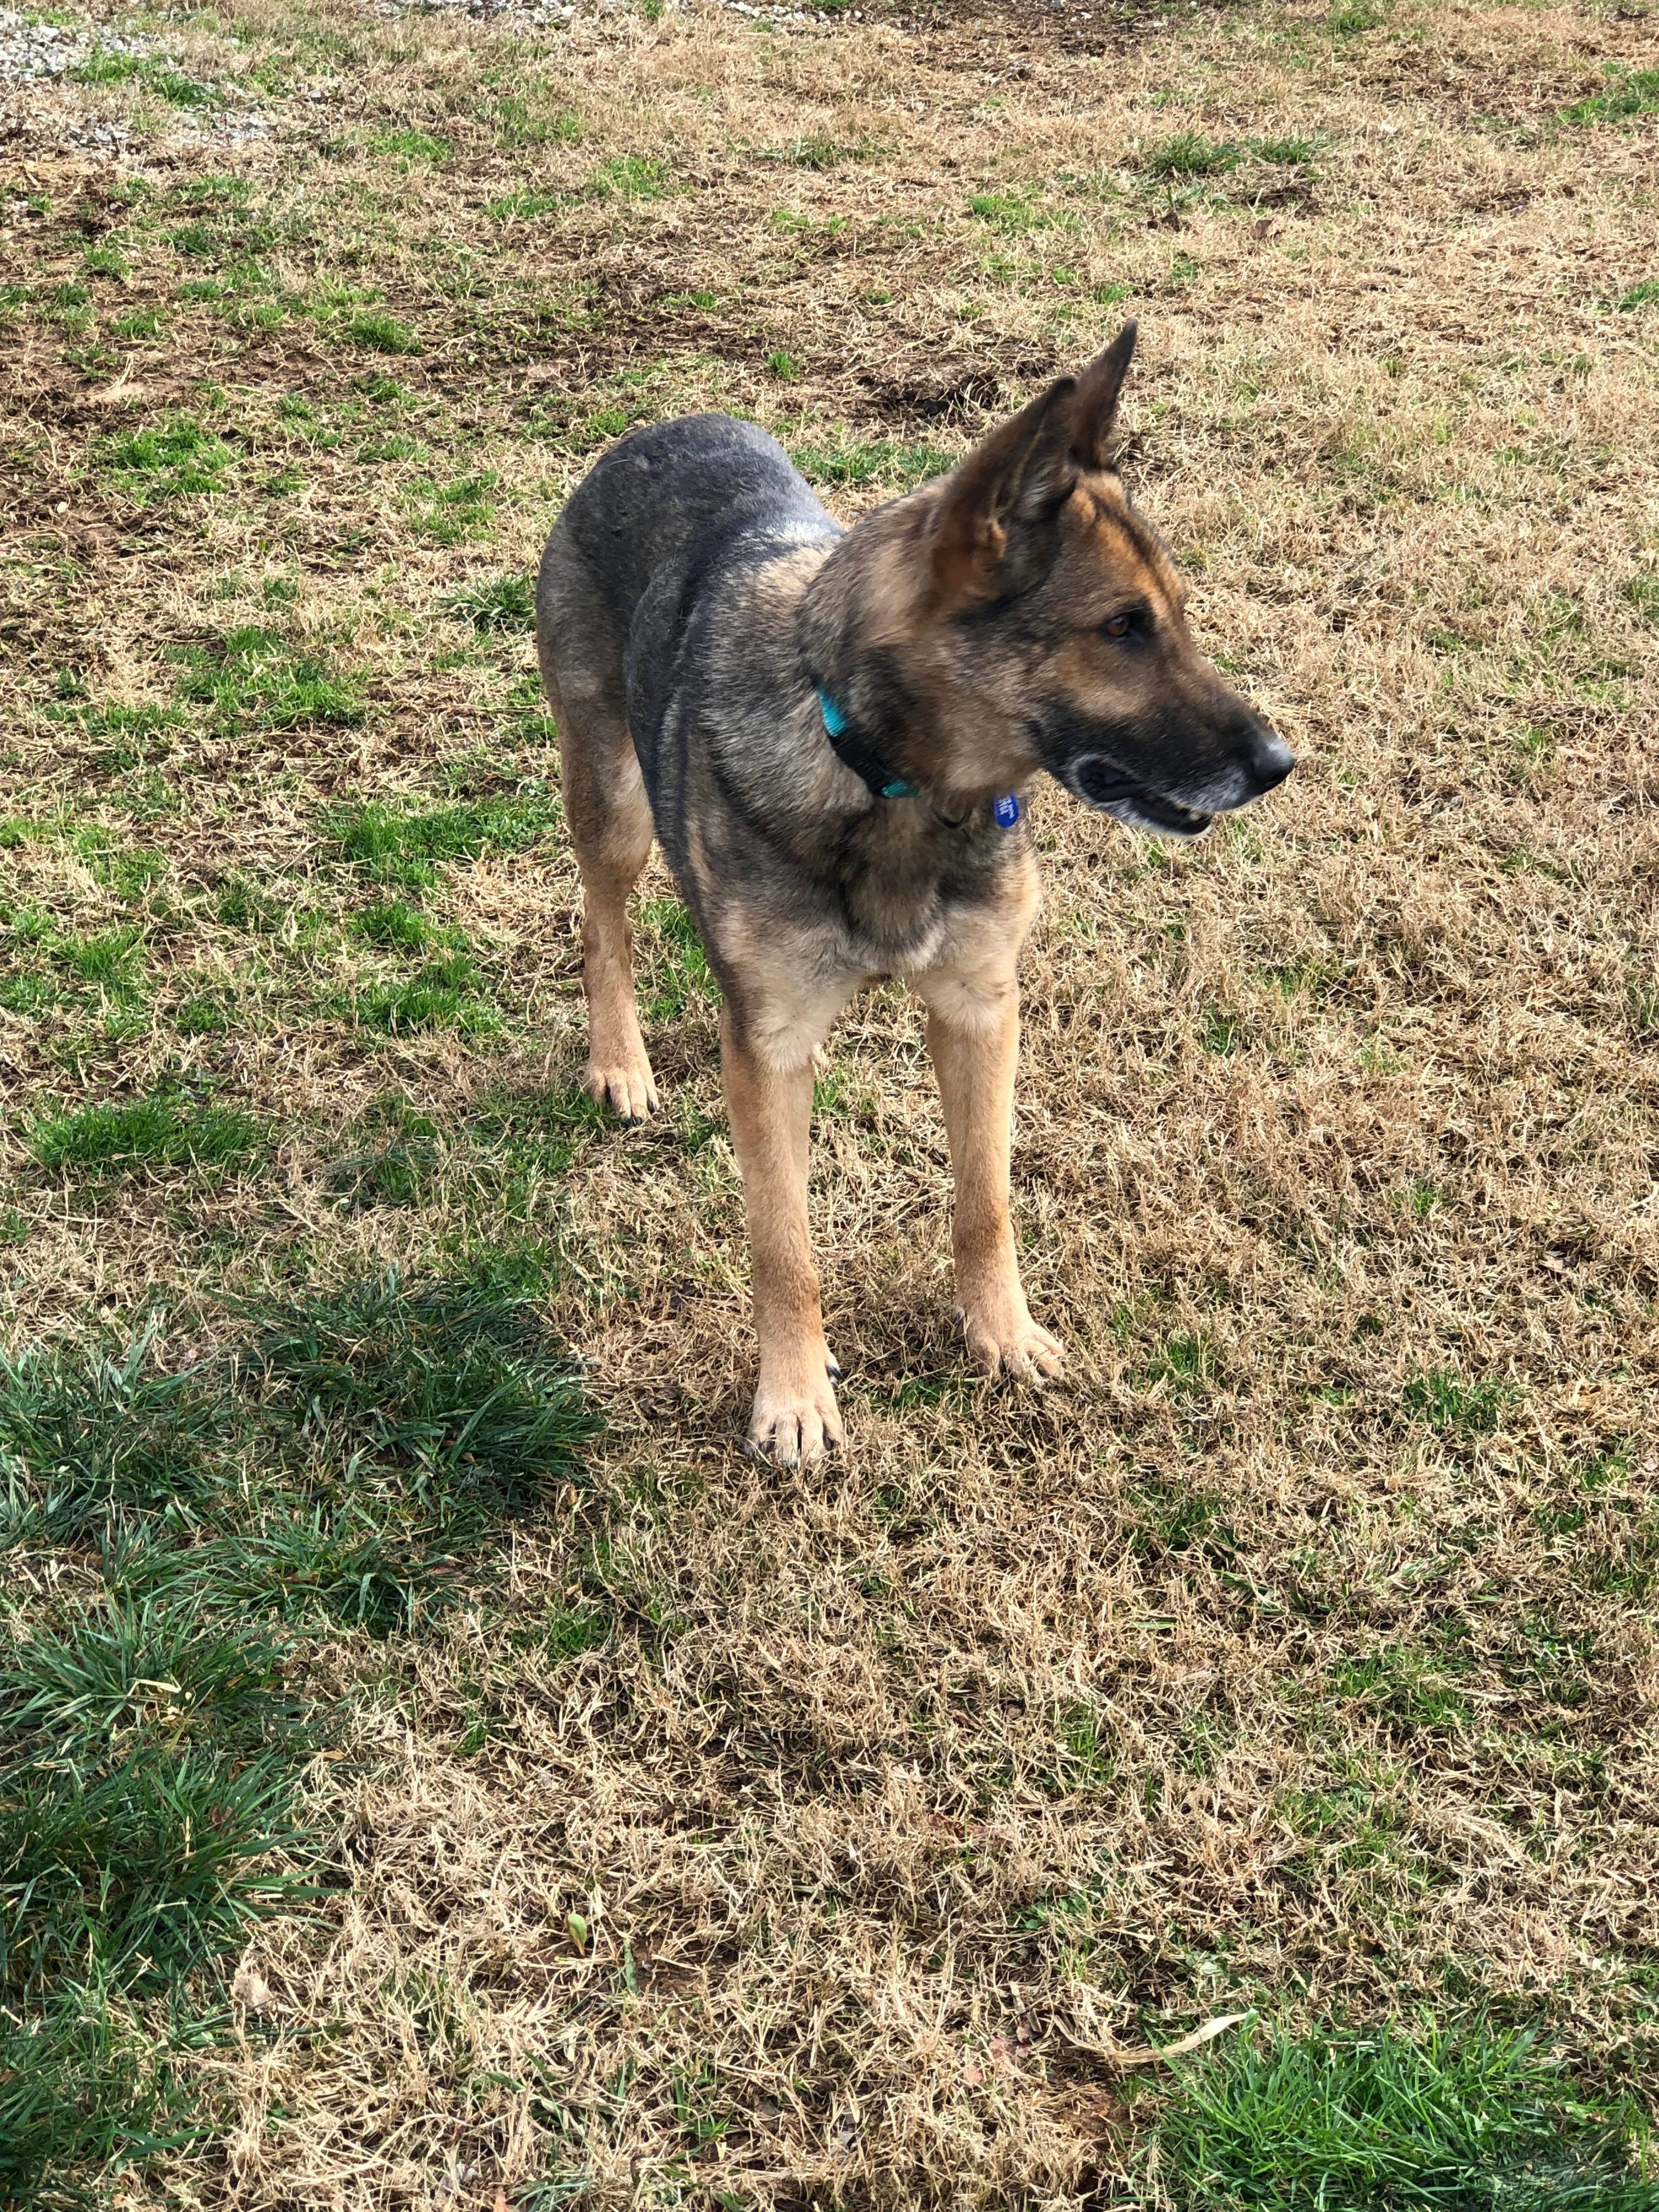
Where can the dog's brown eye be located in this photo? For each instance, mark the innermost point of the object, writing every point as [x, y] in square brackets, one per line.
[1119, 626]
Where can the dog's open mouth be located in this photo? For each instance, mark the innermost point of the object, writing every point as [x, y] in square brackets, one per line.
[1102, 783]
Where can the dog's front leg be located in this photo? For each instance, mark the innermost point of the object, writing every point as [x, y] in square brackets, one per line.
[795, 1417]
[973, 1035]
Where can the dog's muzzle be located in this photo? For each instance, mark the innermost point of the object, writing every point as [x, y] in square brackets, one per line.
[1259, 760]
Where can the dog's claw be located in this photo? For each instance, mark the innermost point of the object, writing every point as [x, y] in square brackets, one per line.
[795, 1425]
[1013, 1347]
[629, 1092]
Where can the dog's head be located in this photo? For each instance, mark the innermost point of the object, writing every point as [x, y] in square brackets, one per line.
[1059, 614]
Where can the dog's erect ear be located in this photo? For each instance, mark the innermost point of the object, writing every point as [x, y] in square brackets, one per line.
[1016, 481]
[1098, 391]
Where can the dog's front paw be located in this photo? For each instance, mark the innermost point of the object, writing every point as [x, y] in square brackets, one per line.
[796, 1419]
[1003, 1340]
[625, 1086]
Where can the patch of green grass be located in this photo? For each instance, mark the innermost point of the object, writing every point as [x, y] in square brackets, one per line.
[252, 679]
[449, 1385]
[1446, 1401]
[1178, 1520]
[525, 206]
[871, 461]
[173, 462]
[571, 1630]
[1188, 1362]
[499, 602]
[412, 147]
[391, 1153]
[1644, 294]
[1189, 153]
[107, 958]
[1630, 93]
[346, 1466]
[1221, 1029]
[83, 2084]
[393, 846]
[463, 507]
[1470, 2118]
[395, 925]
[1410, 1689]
[1289, 152]
[782, 365]
[525, 1144]
[1012, 213]
[1353, 20]
[630, 177]
[149, 71]
[85, 1437]
[381, 333]
[445, 993]
[1086, 1750]
[678, 973]
[149, 1774]
[518, 123]
[134, 1134]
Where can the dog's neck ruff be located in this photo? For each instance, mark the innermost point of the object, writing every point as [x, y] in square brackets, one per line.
[873, 771]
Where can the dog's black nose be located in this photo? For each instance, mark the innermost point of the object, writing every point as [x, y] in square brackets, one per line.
[1267, 759]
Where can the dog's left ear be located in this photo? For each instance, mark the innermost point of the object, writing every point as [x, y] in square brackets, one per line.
[1094, 409]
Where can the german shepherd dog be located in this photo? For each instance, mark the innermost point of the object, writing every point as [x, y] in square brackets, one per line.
[829, 731]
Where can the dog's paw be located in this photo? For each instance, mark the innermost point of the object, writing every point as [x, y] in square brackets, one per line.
[796, 1420]
[626, 1087]
[1006, 1341]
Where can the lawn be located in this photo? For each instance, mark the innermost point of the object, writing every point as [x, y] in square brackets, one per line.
[438, 1770]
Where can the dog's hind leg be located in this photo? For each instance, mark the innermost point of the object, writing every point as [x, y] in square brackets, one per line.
[610, 817]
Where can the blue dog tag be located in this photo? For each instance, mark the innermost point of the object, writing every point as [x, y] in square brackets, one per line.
[1006, 810]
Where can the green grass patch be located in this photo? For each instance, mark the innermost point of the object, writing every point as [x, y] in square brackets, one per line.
[865, 461]
[464, 507]
[497, 603]
[412, 147]
[149, 72]
[1289, 153]
[252, 679]
[631, 177]
[678, 974]
[149, 1773]
[129, 1135]
[1450, 2120]
[381, 333]
[1012, 213]
[347, 1464]
[406, 846]
[389, 1159]
[1644, 294]
[444, 993]
[1630, 93]
[175, 461]
[1450, 1401]
[1189, 153]
[395, 925]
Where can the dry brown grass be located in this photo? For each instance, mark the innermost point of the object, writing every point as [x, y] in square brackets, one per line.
[1256, 1665]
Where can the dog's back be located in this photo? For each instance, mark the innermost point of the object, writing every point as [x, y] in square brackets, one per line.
[636, 556]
